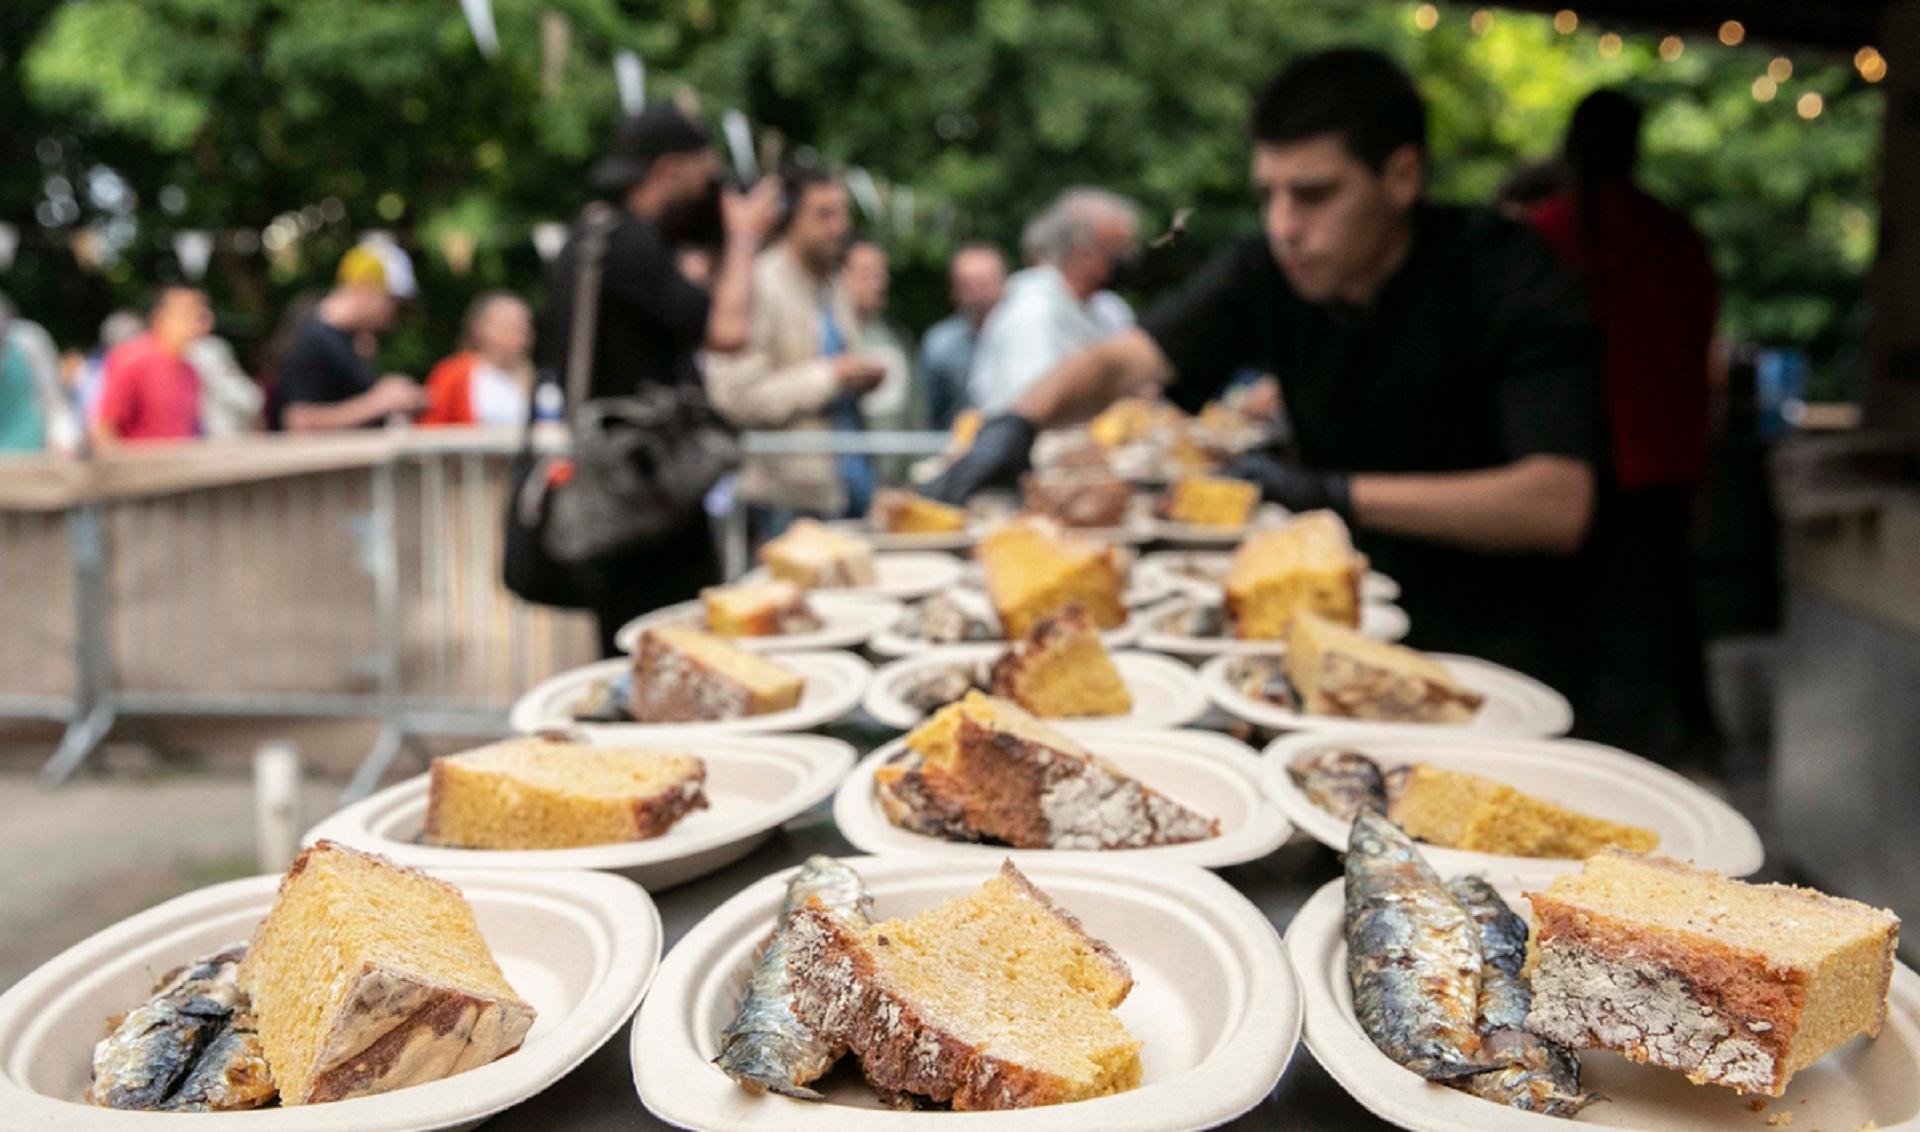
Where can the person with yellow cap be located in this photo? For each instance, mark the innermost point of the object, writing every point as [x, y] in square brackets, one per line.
[322, 382]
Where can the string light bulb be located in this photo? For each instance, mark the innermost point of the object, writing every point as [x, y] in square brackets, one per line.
[1871, 64]
[1610, 45]
[1565, 21]
[1732, 32]
[1780, 69]
[1810, 105]
[1764, 89]
[1481, 21]
[1672, 47]
[1426, 17]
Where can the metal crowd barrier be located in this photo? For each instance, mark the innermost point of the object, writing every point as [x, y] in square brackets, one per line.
[350, 576]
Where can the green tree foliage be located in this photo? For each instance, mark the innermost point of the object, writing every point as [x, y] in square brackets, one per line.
[969, 114]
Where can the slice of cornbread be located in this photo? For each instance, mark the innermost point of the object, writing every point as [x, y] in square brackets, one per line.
[684, 675]
[994, 1000]
[757, 609]
[1033, 570]
[540, 793]
[1011, 777]
[1210, 501]
[1458, 810]
[1336, 671]
[813, 555]
[1061, 670]
[1078, 497]
[1308, 564]
[367, 977]
[903, 512]
[1130, 419]
[1733, 984]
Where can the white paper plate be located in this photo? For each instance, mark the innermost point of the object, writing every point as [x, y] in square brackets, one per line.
[1142, 588]
[835, 681]
[1207, 772]
[754, 782]
[914, 540]
[1165, 692]
[1863, 1080]
[581, 947]
[848, 619]
[1210, 535]
[1516, 704]
[1378, 619]
[889, 641]
[1214, 1002]
[1607, 783]
[1168, 564]
[905, 574]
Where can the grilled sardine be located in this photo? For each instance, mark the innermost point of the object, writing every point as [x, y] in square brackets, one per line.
[1535, 1074]
[765, 1046]
[172, 1052]
[1343, 783]
[1413, 955]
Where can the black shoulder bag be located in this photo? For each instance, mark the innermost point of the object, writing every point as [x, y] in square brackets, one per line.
[643, 462]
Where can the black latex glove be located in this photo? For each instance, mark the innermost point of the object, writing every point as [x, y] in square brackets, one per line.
[1000, 452]
[1293, 485]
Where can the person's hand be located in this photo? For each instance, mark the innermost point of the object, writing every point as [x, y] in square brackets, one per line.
[397, 393]
[1294, 485]
[1262, 400]
[857, 373]
[1001, 451]
[751, 215]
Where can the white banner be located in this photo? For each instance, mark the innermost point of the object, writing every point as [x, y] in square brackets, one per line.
[630, 75]
[9, 241]
[740, 142]
[548, 239]
[480, 19]
[193, 249]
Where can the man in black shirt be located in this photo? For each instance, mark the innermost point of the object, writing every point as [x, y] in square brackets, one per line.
[321, 381]
[661, 171]
[1438, 366]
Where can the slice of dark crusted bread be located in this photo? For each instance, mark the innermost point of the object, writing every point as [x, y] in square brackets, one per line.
[1013, 778]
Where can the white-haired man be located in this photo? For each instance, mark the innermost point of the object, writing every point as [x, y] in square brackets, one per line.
[1058, 306]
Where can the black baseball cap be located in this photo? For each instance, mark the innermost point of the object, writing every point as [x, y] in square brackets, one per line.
[654, 132]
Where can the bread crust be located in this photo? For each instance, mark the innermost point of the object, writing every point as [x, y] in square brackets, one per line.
[837, 993]
[1761, 1004]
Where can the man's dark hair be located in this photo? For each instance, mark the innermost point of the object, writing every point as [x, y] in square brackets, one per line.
[1358, 95]
[1603, 139]
[796, 181]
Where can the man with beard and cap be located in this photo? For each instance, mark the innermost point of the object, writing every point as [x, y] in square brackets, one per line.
[1439, 367]
[661, 173]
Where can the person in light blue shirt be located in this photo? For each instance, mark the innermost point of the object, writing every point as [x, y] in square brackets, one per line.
[976, 276]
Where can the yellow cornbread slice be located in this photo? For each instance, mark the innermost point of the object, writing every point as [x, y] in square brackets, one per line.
[367, 977]
[1062, 670]
[994, 1000]
[1733, 984]
[903, 512]
[684, 675]
[1033, 570]
[1458, 810]
[1211, 501]
[751, 609]
[1336, 671]
[813, 555]
[538, 793]
[1308, 564]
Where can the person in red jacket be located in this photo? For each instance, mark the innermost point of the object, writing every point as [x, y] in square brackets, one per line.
[1654, 296]
[150, 391]
[487, 383]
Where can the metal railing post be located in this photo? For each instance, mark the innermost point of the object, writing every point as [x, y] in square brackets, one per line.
[93, 703]
[389, 633]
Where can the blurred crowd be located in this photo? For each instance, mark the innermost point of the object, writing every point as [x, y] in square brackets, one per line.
[1486, 393]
